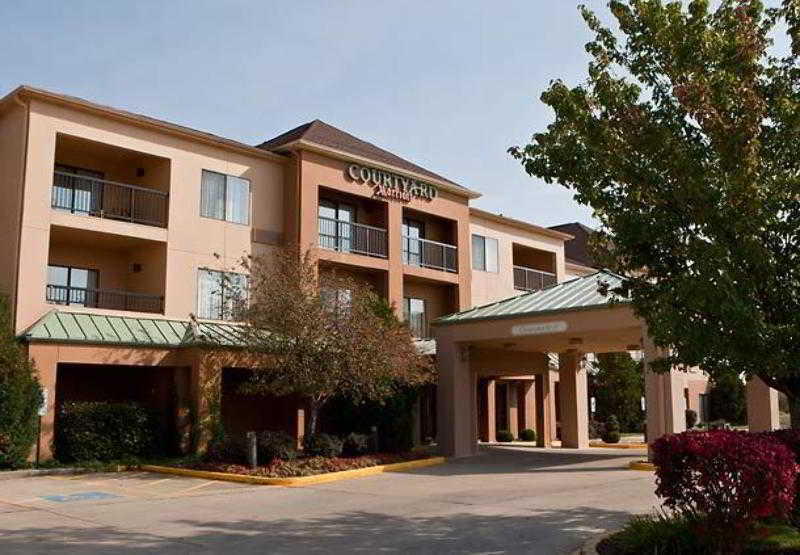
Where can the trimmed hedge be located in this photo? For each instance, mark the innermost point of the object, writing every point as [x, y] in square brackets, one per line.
[100, 431]
[355, 445]
[527, 435]
[504, 436]
[275, 445]
[322, 445]
[610, 433]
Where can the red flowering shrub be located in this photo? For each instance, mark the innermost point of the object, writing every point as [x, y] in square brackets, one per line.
[730, 479]
[791, 439]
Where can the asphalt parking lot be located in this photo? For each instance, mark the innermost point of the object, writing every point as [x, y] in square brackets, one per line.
[507, 500]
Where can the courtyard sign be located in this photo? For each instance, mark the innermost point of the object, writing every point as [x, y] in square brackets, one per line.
[391, 185]
[539, 329]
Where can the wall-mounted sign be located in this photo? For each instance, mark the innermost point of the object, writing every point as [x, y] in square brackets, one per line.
[539, 329]
[391, 185]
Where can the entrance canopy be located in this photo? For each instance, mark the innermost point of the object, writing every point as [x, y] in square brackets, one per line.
[513, 337]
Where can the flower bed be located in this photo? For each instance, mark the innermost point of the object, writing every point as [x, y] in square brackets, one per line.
[306, 466]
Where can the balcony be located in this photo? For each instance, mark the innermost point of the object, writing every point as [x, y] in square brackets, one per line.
[344, 236]
[107, 299]
[528, 279]
[430, 254]
[80, 194]
[96, 270]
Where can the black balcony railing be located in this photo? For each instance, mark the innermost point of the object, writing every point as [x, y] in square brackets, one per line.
[430, 254]
[106, 199]
[100, 298]
[528, 279]
[344, 236]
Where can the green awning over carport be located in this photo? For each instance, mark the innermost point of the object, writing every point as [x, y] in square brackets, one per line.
[583, 293]
[98, 329]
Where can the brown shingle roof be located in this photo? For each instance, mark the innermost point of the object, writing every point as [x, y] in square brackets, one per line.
[321, 133]
[577, 248]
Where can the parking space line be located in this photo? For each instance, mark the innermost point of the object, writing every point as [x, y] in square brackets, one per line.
[198, 486]
[150, 484]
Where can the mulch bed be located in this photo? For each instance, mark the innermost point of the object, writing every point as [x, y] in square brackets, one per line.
[307, 466]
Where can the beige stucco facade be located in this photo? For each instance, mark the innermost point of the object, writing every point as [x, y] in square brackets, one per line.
[146, 242]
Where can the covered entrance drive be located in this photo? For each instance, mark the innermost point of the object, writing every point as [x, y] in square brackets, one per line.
[511, 339]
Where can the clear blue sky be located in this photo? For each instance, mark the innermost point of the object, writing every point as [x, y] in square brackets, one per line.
[449, 85]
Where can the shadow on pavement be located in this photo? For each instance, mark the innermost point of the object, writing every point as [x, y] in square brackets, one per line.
[548, 532]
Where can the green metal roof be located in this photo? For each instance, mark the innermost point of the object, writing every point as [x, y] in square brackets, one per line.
[576, 294]
[72, 327]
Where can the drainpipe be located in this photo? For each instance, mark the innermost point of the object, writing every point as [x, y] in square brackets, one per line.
[24, 166]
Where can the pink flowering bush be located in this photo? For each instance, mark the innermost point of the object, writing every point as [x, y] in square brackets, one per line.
[729, 479]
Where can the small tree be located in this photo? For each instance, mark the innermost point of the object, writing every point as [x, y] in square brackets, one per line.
[616, 381]
[322, 336]
[20, 396]
[726, 399]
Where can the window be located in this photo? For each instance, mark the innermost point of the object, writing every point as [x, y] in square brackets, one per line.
[484, 253]
[335, 229]
[337, 300]
[68, 285]
[414, 314]
[220, 295]
[77, 190]
[225, 197]
[413, 230]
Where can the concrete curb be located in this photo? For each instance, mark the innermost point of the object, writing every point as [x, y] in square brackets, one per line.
[603, 445]
[34, 472]
[589, 547]
[297, 481]
[642, 465]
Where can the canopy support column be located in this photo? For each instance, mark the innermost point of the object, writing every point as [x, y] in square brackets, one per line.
[762, 406]
[457, 400]
[666, 408]
[573, 392]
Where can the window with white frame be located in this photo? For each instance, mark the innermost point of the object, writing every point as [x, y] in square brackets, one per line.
[220, 295]
[225, 197]
[484, 253]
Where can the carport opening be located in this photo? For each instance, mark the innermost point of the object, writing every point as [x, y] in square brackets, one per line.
[243, 411]
[156, 388]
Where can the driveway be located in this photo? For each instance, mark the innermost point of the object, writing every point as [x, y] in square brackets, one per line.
[506, 500]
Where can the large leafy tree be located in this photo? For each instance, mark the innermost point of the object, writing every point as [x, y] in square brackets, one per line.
[322, 336]
[684, 140]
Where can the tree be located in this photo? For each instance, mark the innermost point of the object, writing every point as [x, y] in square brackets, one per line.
[322, 336]
[683, 140]
[726, 399]
[20, 396]
[616, 381]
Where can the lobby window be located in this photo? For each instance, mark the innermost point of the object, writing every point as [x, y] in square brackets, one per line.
[415, 316]
[484, 253]
[69, 285]
[220, 294]
[225, 197]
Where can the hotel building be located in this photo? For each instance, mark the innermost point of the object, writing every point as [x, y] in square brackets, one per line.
[117, 227]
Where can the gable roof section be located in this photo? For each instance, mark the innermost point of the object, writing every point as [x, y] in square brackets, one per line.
[98, 329]
[576, 250]
[320, 133]
[581, 293]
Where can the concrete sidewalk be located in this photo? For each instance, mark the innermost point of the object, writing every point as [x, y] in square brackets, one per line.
[506, 500]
